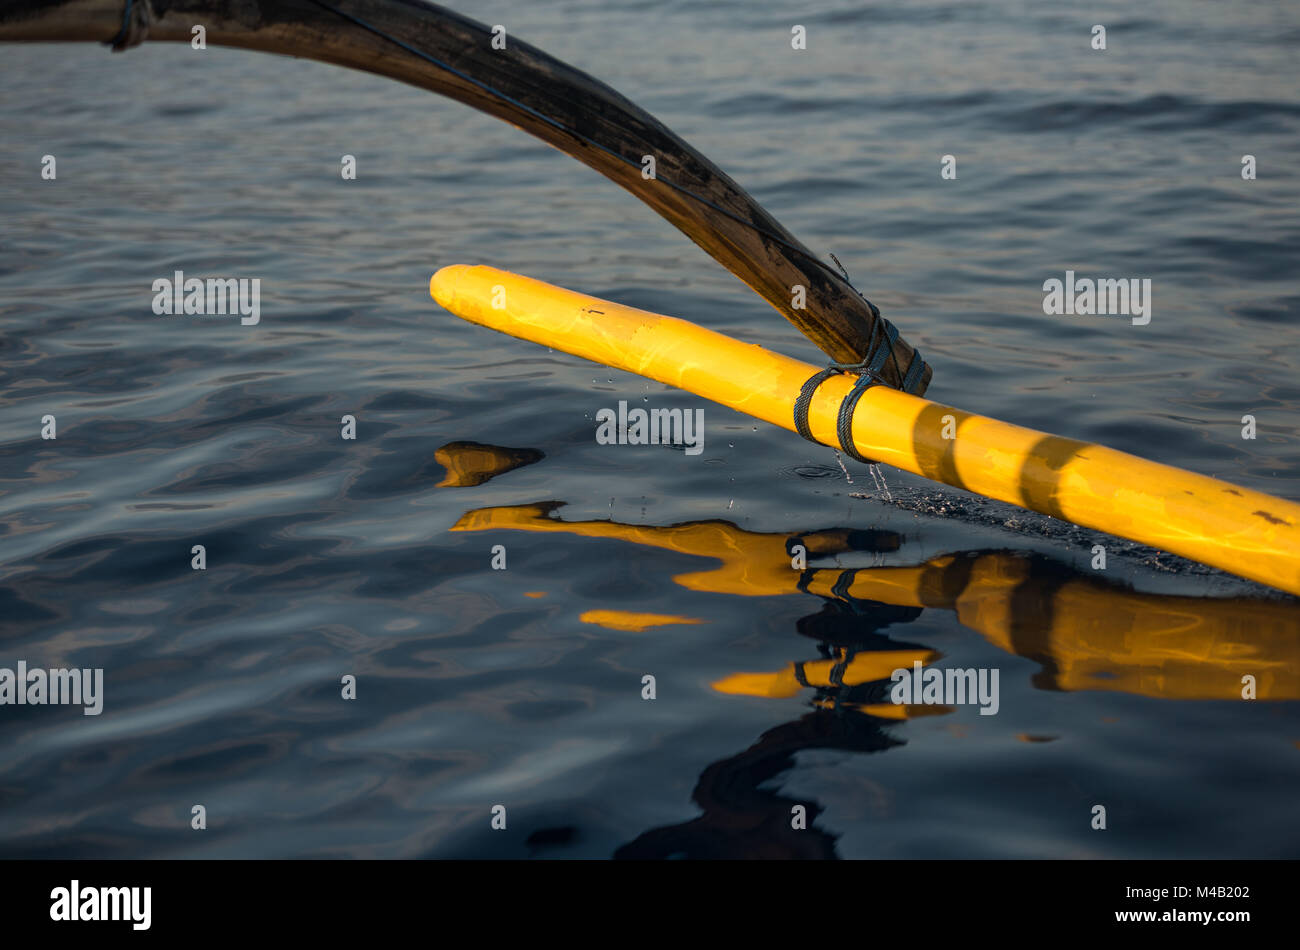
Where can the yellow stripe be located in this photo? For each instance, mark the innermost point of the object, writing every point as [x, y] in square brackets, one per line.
[1242, 531]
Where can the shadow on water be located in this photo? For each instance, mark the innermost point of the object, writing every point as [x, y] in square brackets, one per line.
[1085, 631]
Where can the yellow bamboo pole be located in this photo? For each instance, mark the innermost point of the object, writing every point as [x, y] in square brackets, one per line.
[1238, 530]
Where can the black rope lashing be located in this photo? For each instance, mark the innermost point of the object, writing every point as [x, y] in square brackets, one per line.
[805, 398]
[844, 420]
[844, 424]
[869, 374]
[915, 369]
[116, 42]
[136, 17]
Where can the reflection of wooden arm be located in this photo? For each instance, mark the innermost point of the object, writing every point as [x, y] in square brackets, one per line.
[473, 463]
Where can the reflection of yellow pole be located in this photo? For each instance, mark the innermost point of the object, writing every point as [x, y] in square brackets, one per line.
[862, 668]
[1246, 532]
[1097, 637]
[753, 565]
[865, 667]
[1091, 635]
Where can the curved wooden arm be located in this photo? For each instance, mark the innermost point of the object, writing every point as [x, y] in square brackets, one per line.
[529, 89]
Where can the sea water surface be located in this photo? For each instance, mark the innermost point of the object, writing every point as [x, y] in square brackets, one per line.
[523, 687]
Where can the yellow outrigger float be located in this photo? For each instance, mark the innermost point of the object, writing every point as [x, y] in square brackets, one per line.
[1245, 532]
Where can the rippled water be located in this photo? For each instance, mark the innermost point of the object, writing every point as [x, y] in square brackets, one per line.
[523, 688]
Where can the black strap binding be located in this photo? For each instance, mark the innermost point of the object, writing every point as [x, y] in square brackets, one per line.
[137, 16]
[881, 347]
[117, 41]
[805, 398]
[844, 423]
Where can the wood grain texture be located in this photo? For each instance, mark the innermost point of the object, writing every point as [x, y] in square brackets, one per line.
[533, 91]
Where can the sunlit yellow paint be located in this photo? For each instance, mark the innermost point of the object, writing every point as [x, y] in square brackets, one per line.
[1242, 531]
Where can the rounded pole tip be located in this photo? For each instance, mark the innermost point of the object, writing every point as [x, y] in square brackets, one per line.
[443, 282]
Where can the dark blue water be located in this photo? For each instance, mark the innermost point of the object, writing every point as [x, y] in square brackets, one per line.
[477, 687]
